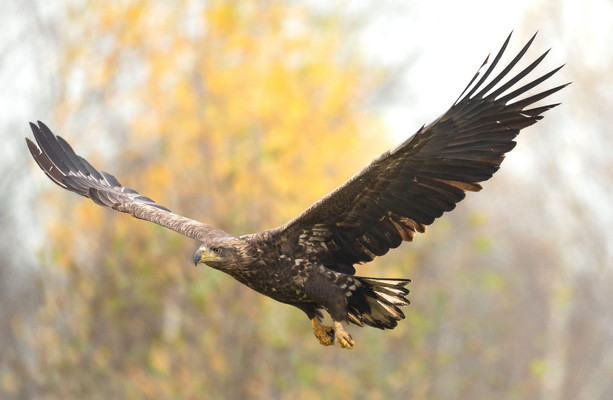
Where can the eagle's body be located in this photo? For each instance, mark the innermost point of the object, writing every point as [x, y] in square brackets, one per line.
[310, 261]
[303, 280]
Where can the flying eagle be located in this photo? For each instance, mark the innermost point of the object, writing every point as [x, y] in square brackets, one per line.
[310, 261]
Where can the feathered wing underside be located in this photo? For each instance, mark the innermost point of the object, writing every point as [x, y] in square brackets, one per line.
[407, 188]
[72, 172]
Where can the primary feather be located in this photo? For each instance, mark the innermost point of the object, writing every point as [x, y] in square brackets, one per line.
[407, 188]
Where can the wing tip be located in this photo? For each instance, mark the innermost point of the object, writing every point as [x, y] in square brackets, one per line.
[30, 143]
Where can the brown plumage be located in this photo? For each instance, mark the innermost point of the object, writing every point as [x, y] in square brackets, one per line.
[309, 262]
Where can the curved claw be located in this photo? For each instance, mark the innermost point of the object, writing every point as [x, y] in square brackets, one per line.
[344, 339]
[325, 334]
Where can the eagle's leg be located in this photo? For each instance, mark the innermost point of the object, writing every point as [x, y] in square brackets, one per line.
[344, 338]
[323, 291]
[325, 334]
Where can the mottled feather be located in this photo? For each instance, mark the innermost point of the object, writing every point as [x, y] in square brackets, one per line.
[408, 187]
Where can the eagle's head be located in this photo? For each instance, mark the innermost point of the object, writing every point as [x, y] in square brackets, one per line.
[223, 254]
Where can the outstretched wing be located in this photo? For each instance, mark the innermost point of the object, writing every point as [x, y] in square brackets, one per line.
[72, 172]
[407, 188]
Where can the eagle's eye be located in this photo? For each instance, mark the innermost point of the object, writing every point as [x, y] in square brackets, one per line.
[216, 250]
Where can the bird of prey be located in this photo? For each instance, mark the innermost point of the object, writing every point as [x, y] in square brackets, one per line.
[310, 261]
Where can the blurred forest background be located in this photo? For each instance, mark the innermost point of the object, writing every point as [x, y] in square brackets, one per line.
[242, 113]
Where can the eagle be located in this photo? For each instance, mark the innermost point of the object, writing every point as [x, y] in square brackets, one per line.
[310, 262]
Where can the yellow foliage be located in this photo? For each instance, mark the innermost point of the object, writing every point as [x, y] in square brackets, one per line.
[538, 367]
[8, 383]
[241, 115]
[160, 360]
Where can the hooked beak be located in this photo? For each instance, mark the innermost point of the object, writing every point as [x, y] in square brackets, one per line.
[197, 256]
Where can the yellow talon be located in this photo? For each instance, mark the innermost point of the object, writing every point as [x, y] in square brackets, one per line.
[325, 334]
[344, 339]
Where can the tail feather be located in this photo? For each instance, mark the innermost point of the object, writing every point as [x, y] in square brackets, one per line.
[376, 301]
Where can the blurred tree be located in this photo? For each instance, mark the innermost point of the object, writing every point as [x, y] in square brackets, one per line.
[212, 110]
[25, 50]
[241, 113]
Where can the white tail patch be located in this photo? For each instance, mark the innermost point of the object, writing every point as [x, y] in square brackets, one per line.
[375, 310]
[392, 299]
[355, 319]
[375, 302]
[388, 283]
